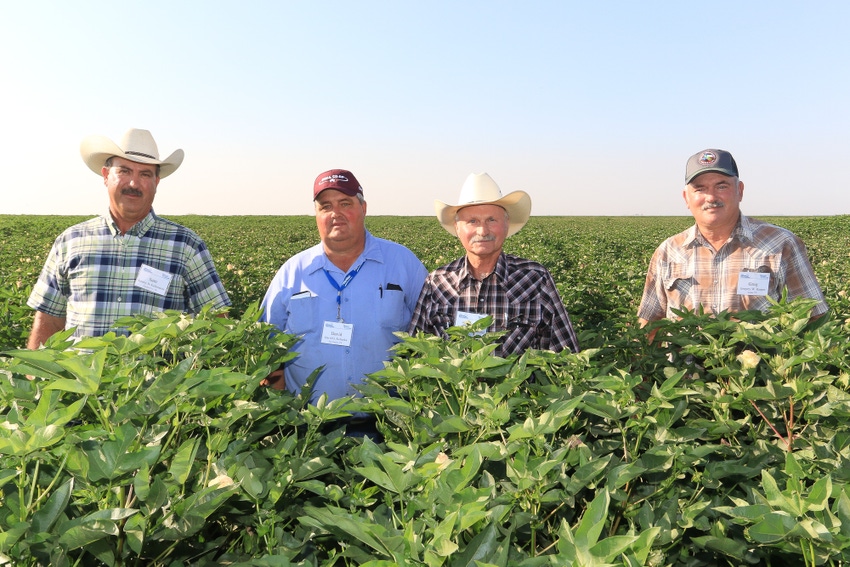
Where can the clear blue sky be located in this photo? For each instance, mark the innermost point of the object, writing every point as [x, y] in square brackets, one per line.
[591, 107]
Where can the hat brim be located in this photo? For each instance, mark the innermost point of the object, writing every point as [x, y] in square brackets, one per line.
[517, 204]
[722, 170]
[95, 150]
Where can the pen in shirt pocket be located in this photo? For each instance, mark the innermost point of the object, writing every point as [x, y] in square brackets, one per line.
[381, 290]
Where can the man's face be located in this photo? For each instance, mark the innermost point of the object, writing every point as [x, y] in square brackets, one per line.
[340, 218]
[713, 199]
[131, 187]
[482, 229]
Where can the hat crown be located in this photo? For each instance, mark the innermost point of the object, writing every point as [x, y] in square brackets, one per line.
[708, 160]
[139, 142]
[135, 145]
[340, 179]
[479, 188]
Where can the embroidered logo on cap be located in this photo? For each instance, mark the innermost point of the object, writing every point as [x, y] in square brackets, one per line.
[333, 178]
[707, 158]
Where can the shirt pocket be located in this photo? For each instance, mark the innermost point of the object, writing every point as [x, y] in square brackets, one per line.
[392, 310]
[300, 315]
[521, 323]
[763, 264]
[679, 281]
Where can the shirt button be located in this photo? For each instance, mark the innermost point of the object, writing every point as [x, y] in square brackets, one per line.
[120, 299]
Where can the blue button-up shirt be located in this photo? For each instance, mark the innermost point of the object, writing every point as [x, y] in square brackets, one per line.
[378, 301]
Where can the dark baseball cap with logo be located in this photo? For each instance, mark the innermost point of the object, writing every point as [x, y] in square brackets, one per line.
[720, 161]
[340, 179]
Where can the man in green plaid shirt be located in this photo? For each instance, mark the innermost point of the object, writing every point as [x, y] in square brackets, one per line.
[127, 261]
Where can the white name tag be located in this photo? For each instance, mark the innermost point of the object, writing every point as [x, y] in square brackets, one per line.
[753, 283]
[464, 317]
[335, 333]
[153, 280]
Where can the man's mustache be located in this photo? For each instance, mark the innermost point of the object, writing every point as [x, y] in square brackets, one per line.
[131, 191]
[476, 239]
[713, 205]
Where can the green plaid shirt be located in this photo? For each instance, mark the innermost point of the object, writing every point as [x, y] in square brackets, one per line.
[90, 276]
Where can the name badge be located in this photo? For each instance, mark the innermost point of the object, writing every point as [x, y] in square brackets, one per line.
[465, 317]
[753, 283]
[153, 280]
[335, 333]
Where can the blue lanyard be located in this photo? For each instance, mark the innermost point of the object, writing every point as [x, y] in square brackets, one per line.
[339, 287]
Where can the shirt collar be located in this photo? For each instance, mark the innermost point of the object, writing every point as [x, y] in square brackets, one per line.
[500, 272]
[371, 251]
[139, 229]
[743, 231]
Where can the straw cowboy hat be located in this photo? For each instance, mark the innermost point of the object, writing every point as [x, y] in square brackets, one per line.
[135, 145]
[480, 189]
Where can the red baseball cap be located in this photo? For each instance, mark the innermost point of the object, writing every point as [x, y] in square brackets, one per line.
[339, 179]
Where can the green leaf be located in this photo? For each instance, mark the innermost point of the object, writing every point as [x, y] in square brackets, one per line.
[483, 548]
[593, 521]
[7, 474]
[181, 464]
[45, 517]
[379, 477]
[190, 516]
[88, 371]
[28, 440]
[134, 529]
[345, 525]
[112, 459]
[793, 468]
[452, 424]
[818, 498]
[40, 363]
[734, 548]
[610, 548]
[92, 527]
[773, 528]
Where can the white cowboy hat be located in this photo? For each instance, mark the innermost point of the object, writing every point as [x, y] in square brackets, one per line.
[136, 145]
[480, 189]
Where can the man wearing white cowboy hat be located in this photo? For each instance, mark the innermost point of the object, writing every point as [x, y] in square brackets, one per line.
[520, 295]
[127, 261]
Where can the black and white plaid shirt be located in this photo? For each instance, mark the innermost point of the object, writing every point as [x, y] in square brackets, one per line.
[520, 295]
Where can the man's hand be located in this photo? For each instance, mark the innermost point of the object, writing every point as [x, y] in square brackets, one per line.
[43, 326]
[650, 336]
[274, 380]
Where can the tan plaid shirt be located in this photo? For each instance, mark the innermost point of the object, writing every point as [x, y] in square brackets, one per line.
[686, 272]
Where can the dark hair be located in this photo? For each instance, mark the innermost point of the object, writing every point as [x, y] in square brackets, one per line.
[109, 164]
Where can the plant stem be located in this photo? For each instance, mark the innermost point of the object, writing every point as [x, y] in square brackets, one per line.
[786, 441]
